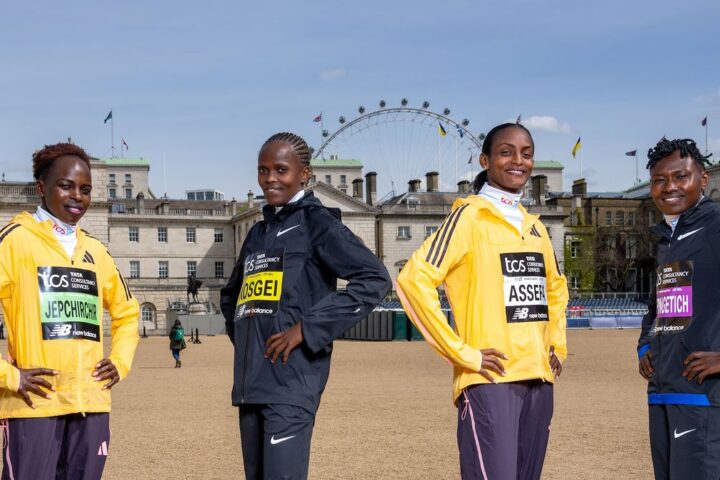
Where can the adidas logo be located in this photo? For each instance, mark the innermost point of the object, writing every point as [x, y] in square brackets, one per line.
[103, 450]
[534, 232]
[87, 258]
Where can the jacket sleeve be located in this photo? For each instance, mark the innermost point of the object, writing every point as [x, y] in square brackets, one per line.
[124, 315]
[9, 374]
[557, 296]
[229, 294]
[647, 323]
[417, 288]
[338, 249]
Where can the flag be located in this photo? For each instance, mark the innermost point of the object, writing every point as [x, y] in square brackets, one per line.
[704, 122]
[441, 130]
[124, 144]
[470, 159]
[109, 117]
[517, 122]
[318, 118]
[631, 153]
[460, 131]
[576, 148]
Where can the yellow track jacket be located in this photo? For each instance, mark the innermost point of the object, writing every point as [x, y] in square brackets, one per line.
[53, 313]
[505, 290]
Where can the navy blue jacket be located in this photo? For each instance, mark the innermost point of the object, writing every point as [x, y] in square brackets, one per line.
[286, 273]
[684, 308]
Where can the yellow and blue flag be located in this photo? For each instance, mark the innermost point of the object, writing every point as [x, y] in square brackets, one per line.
[576, 148]
[441, 130]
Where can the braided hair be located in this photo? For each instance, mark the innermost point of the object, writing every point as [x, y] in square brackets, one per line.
[43, 159]
[685, 146]
[482, 177]
[299, 146]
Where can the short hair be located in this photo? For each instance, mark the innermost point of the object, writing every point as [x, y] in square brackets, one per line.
[43, 159]
[685, 146]
[482, 177]
[298, 144]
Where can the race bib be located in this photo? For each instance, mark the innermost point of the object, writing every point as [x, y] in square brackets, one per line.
[674, 297]
[69, 303]
[524, 287]
[262, 284]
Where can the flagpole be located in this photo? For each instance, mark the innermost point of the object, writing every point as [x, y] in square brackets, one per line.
[439, 157]
[164, 178]
[637, 175]
[706, 142]
[112, 135]
[581, 154]
[456, 170]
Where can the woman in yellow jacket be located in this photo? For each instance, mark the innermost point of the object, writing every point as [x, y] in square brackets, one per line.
[508, 299]
[55, 282]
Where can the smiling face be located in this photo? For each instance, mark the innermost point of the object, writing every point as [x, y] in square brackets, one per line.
[281, 174]
[65, 189]
[510, 160]
[676, 184]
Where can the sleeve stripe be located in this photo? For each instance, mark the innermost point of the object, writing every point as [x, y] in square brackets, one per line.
[128, 295]
[452, 229]
[7, 231]
[441, 235]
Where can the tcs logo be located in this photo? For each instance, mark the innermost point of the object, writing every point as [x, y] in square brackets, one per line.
[514, 265]
[53, 280]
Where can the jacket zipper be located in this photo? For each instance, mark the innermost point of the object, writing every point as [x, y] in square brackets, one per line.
[244, 375]
[538, 343]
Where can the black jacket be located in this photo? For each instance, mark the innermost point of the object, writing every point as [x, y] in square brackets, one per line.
[287, 273]
[684, 308]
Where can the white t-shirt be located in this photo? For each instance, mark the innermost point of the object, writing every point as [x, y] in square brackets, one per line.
[65, 233]
[507, 203]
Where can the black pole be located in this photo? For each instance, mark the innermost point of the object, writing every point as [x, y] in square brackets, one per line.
[144, 332]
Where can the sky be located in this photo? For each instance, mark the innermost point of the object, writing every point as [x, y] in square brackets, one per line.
[197, 87]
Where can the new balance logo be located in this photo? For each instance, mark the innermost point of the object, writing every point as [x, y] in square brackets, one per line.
[87, 258]
[103, 451]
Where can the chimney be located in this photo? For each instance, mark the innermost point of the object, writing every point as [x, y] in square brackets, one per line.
[414, 185]
[539, 186]
[251, 199]
[431, 181]
[357, 187]
[140, 203]
[579, 187]
[233, 207]
[371, 188]
[464, 186]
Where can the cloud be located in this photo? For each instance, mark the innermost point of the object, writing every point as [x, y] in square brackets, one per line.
[332, 75]
[546, 123]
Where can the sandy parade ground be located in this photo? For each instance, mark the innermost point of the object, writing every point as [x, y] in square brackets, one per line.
[386, 414]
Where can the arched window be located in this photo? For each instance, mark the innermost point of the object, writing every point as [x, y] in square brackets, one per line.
[148, 317]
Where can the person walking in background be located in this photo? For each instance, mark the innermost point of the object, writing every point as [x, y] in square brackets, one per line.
[679, 346]
[508, 298]
[55, 281]
[282, 310]
[177, 342]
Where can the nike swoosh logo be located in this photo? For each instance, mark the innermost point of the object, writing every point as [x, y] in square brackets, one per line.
[275, 441]
[281, 232]
[684, 235]
[678, 435]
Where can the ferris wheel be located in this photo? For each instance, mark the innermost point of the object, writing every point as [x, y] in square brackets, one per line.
[404, 143]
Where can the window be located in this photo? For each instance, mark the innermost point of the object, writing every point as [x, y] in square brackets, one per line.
[403, 232]
[133, 234]
[112, 193]
[112, 179]
[328, 179]
[191, 196]
[430, 230]
[574, 249]
[218, 235]
[619, 217]
[148, 315]
[313, 179]
[190, 234]
[128, 193]
[631, 250]
[651, 217]
[191, 267]
[343, 180]
[163, 269]
[209, 196]
[128, 178]
[134, 269]
[608, 218]
[162, 234]
[574, 281]
[631, 219]
[219, 269]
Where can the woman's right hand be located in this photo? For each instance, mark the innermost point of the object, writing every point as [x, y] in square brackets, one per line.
[491, 362]
[31, 380]
[646, 369]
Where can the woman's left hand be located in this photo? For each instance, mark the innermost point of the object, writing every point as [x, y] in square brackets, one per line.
[105, 370]
[283, 343]
[700, 365]
[555, 363]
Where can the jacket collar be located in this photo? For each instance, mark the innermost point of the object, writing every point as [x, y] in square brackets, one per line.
[483, 204]
[307, 200]
[688, 219]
